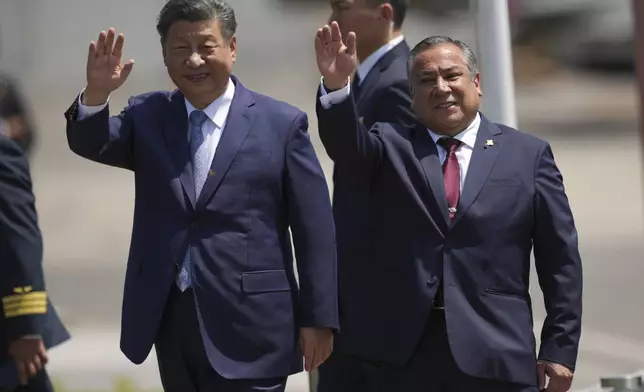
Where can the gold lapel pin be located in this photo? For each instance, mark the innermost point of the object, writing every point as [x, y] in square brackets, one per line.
[489, 143]
[211, 173]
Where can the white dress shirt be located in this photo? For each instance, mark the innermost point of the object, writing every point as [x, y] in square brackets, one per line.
[467, 136]
[217, 112]
[464, 151]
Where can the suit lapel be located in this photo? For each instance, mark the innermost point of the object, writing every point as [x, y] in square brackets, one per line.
[427, 154]
[373, 77]
[175, 130]
[484, 157]
[238, 125]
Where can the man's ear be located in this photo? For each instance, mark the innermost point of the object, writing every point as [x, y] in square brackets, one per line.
[387, 12]
[163, 53]
[477, 83]
[233, 48]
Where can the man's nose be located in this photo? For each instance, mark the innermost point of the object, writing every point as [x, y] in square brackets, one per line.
[195, 60]
[442, 86]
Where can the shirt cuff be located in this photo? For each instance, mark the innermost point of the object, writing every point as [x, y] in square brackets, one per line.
[88, 111]
[335, 97]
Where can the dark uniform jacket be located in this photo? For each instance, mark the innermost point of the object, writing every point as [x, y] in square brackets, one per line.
[26, 310]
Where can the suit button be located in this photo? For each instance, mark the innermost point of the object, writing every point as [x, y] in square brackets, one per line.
[194, 225]
[432, 280]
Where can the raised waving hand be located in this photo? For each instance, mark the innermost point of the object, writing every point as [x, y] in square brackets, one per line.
[104, 70]
[337, 59]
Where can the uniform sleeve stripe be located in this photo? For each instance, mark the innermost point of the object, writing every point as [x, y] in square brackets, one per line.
[24, 304]
[26, 311]
[31, 303]
[18, 298]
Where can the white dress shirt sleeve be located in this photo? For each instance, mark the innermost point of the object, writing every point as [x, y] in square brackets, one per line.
[85, 111]
[335, 97]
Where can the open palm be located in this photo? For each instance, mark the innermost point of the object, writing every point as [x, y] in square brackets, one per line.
[336, 59]
[104, 70]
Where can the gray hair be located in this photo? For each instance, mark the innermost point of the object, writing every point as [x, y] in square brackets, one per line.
[196, 11]
[430, 42]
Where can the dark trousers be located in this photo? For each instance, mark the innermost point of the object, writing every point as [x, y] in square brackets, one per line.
[431, 369]
[39, 383]
[183, 363]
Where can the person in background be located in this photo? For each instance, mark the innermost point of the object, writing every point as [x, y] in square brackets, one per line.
[17, 121]
[29, 324]
[380, 84]
[223, 177]
[381, 93]
[459, 204]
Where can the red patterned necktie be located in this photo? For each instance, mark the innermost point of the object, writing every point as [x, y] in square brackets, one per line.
[451, 173]
[452, 180]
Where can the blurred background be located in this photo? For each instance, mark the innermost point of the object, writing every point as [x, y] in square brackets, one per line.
[575, 87]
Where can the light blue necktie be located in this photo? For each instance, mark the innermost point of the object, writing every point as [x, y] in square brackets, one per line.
[200, 165]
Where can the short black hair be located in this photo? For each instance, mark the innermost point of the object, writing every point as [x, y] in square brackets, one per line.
[400, 9]
[196, 11]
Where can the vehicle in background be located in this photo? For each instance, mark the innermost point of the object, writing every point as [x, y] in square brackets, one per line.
[585, 33]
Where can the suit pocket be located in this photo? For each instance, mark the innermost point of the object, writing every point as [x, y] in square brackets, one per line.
[498, 181]
[504, 293]
[257, 282]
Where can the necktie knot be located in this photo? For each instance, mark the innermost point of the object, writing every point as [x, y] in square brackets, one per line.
[197, 118]
[449, 144]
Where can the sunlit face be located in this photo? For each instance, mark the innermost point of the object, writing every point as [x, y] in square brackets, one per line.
[446, 97]
[199, 60]
[369, 23]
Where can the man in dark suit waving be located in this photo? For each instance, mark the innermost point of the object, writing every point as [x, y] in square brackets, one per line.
[221, 174]
[381, 93]
[440, 302]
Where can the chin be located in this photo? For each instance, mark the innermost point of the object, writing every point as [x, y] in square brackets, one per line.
[452, 120]
[197, 89]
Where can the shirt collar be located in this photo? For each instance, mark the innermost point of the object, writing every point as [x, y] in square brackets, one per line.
[372, 59]
[217, 111]
[467, 136]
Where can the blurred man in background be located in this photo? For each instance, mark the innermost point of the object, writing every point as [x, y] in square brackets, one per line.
[380, 89]
[17, 121]
[28, 323]
[380, 85]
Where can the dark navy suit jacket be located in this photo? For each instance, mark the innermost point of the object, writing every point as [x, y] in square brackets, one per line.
[384, 97]
[265, 178]
[384, 93]
[513, 201]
